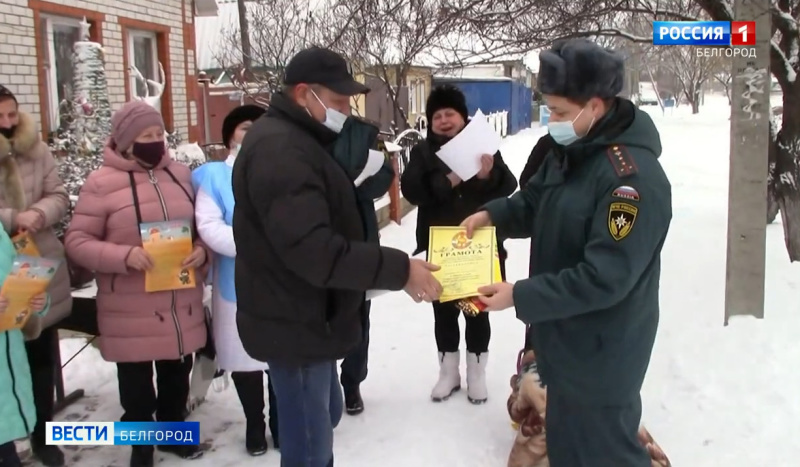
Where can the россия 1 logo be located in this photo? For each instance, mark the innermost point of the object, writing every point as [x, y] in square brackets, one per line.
[704, 33]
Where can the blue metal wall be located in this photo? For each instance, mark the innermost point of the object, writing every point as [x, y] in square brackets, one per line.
[497, 96]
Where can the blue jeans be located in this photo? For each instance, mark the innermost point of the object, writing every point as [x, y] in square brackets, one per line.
[310, 406]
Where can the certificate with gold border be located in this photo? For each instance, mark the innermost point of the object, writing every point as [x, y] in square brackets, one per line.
[466, 263]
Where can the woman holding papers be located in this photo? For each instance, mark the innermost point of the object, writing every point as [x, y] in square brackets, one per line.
[444, 199]
[32, 200]
[139, 183]
[214, 213]
[17, 411]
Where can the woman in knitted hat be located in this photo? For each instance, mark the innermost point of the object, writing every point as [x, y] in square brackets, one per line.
[139, 183]
[214, 213]
[444, 200]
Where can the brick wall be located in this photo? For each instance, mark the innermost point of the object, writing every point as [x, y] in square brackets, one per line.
[22, 67]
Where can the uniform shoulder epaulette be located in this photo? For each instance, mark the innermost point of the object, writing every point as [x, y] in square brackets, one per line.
[622, 161]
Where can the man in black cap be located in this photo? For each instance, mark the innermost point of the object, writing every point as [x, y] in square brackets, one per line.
[303, 263]
[598, 211]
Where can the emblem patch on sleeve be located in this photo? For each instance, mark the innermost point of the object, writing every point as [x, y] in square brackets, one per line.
[621, 217]
[626, 192]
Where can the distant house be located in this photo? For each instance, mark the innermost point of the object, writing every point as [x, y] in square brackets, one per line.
[504, 86]
[411, 95]
[515, 69]
[37, 37]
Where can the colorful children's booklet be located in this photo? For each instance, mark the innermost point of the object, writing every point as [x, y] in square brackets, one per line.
[169, 243]
[24, 244]
[28, 278]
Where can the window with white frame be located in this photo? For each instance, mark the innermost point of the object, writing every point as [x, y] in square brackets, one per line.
[60, 36]
[143, 54]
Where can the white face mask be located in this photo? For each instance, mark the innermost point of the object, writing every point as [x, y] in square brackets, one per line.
[334, 120]
[235, 150]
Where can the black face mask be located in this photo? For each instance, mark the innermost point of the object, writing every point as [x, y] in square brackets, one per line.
[8, 132]
[150, 154]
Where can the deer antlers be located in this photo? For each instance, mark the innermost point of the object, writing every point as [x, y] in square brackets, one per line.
[158, 87]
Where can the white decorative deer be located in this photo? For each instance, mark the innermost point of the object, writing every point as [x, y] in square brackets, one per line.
[158, 87]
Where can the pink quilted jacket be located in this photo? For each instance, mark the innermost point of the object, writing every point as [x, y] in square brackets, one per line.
[135, 325]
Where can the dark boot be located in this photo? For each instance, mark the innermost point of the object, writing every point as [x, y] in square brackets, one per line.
[43, 382]
[142, 456]
[250, 387]
[353, 404]
[9, 456]
[184, 451]
[49, 456]
[273, 414]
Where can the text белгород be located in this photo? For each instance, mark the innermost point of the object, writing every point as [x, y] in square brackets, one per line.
[729, 52]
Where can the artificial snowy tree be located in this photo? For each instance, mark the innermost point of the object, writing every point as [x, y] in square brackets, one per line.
[91, 110]
[89, 119]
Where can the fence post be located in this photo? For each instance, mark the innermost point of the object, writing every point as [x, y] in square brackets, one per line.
[395, 208]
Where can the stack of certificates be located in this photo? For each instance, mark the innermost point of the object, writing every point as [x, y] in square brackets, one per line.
[466, 263]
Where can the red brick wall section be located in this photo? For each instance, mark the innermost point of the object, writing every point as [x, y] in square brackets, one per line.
[220, 101]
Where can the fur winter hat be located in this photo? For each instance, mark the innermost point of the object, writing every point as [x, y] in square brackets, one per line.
[130, 121]
[6, 93]
[446, 96]
[579, 69]
[241, 114]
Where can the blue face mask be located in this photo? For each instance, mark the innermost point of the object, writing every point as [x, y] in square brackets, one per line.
[563, 133]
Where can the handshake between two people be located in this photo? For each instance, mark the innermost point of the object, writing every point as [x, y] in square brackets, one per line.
[423, 286]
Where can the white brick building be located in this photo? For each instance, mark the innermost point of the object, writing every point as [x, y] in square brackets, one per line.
[36, 39]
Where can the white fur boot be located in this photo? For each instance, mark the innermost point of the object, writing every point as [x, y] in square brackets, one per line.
[449, 376]
[476, 377]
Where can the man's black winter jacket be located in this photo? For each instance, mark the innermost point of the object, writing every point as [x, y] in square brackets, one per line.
[302, 263]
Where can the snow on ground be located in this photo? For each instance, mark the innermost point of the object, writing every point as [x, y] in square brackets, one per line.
[714, 395]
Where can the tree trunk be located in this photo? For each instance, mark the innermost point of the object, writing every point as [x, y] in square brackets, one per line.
[747, 188]
[244, 31]
[787, 173]
[695, 106]
[772, 181]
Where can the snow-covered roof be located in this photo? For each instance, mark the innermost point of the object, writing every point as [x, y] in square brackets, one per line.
[210, 33]
[450, 77]
[213, 36]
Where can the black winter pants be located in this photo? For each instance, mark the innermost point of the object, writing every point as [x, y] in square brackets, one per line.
[138, 397]
[42, 362]
[9, 456]
[250, 387]
[354, 366]
[448, 335]
[478, 331]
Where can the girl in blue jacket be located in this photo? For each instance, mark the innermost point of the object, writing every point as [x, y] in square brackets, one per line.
[17, 411]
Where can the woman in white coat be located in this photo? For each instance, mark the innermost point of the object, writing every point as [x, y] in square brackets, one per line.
[214, 214]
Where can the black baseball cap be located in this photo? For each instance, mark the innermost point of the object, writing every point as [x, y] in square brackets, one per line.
[317, 65]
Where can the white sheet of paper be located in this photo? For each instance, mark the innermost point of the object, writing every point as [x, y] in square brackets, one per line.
[88, 291]
[377, 293]
[375, 160]
[463, 153]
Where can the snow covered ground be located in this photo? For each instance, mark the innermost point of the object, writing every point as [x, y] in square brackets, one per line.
[714, 395]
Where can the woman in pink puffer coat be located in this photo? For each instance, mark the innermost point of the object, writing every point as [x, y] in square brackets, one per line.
[138, 183]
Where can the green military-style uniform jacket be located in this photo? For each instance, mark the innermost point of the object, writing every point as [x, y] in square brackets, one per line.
[598, 210]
